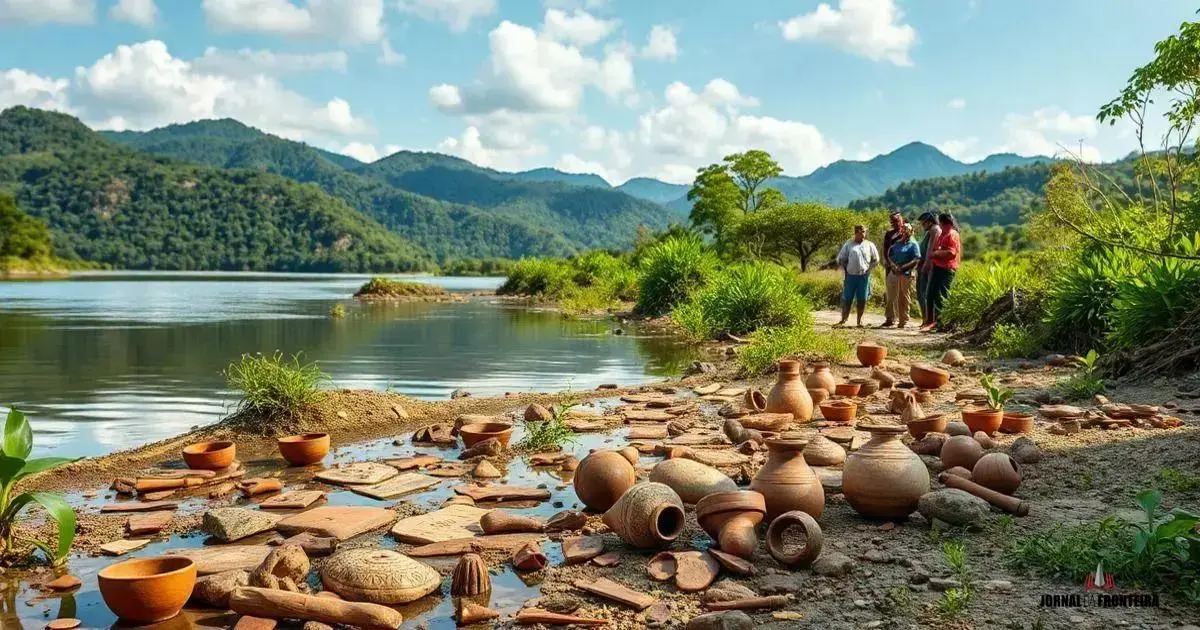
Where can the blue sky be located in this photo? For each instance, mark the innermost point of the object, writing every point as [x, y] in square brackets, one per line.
[622, 88]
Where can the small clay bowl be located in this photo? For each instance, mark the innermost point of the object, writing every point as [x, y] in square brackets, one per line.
[1017, 422]
[982, 419]
[839, 410]
[929, 424]
[847, 389]
[866, 386]
[148, 590]
[928, 377]
[472, 434]
[209, 455]
[304, 449]
[870, 354]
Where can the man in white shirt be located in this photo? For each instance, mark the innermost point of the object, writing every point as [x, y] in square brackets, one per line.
[857, 258]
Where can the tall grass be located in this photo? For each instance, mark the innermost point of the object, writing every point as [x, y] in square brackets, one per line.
[671, 270]
[824, 288]
[541, 277]
[980, 283]
[743, 298]
[273, 388]
[1151, 306]
[769, 345]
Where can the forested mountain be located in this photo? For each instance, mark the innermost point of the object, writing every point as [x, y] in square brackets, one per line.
[653, 189]
[113, 205]
[557, 176]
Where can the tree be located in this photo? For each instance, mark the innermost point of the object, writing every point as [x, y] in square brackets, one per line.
[796, 230]
[749, 170]
[724, 193]
[21, 235]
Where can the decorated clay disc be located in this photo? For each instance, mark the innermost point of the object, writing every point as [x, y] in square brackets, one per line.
[380, 576]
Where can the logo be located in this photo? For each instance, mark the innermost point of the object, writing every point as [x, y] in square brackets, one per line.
[1099, 579]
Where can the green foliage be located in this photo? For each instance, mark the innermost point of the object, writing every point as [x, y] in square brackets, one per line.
[1174, 480]
[1086, 382]
[769, 345]
[274, 389]
[381, 287]
[1081, 296]
[15, 465]
[955, 600]
[551, 434]
[795, 231]
[980, 283]
[671, 271]
[743, 298]
[592, 281]
[1012, 341]
[997, 396]
[541, 277]
[976, 199]
[337, 311]
[1162, 297]
[476, 267]
[724, 193]
[21, 236]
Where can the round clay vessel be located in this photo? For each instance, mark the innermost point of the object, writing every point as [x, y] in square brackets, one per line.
[847, 389]
[209, 455]
[997, 471]
[821, 377]
[630, 453]
[786, 481]
[789, 394]
[147, 590]
[919, 427]
[648, 516]
[755, 400]
[961, 450]
[866, 386]
[817, 394]
[928, 377]
[731, 518]
[690, 479]
[822, 451]
[470, 576]
[953, 357]
[884, 478]
[1017, 422]
[805, 555]
[870, 354]
[601, 478]
[982, 419]
[475, 433]
[378, 576]
[304, 449]
[839, 410]
[957, 428]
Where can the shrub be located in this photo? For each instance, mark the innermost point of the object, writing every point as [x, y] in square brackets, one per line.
[274, 389]
[388, 288]
[337, 311]
[744, 298]
[551, 434]
[824, 288]
[1150, 306]
[671, 270]
[768, 345]
[1086, 383]
[980, 283]
[1011, 341]
[15, 465]
[542, 277]
[1081, 296]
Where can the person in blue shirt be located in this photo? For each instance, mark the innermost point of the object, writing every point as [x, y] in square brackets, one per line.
[904, 256]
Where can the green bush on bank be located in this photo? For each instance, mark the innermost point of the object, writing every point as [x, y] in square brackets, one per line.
[274, 389]
[592, 281]
[824, 288]
[769, 345]
[743, 298]
[670, 271]
[980, 283]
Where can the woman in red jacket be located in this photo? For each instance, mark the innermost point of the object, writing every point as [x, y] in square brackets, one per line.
[945, 255]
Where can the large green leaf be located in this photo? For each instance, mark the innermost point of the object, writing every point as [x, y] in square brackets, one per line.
[10, 468]
[58, 509]
[42, 464]
[18, 436]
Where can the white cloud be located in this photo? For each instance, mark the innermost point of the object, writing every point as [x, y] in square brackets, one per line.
[47, 11]
[246, 62]
[388, 55]
[661, 44]
[458, 14]
[870, 28]
[575, 4]
[957, 103]
[445, 97]
[472, 146]
[579, 28]
[961, 149]
[141, 12]
[1052, 132]
[339, 20]
[18, 87]
[365, 152]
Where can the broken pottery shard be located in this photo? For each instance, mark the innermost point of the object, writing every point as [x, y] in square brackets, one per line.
[695, 570]
[174, 473]
[122, 547]
[222, 558]
[733, 564]
[248, 622]
[547, 459]
[338, 522]
[751, 603]
[150, 523]
[483, 494]
[294, 500]
[360, 473]
[434, 434]
[214, 590]
[533, 616]
[414, 462]
[718, 458]
[648, 433]
[705, 390]
[579, 425]
[565, 521]
[448, 523]
[580, 549]
[647, 415]
[469, 612]
[610, 559]
[457, 547]
[609, 589]
[529, 558]
[486, 470]
[662, 566]
[313, 546]
[403, 483]
[158, 496]
[139, 506]
[255, 487]
[449, 470]
[231, 523]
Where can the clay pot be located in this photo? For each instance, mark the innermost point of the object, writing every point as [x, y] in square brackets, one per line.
[304, 449]
[789, 394]
[690, 479]
[818, 394]
[866, 386]
[920, 426]
[997, 471]
[957, 428]
[983, 419]
[849, 390]
[928, 377]
[477, 432]
[839, 410]
[630, 453]
[822, 451]
[147, 590]
[648, 516]
[755, 400]
[731, 518]
[821, 377]
[470, 577]
[961, 450]
[870, 354]
[1017, 422]
[209, 455]
[601, 478]
[804, 556]
[786, 481]
[884, 479]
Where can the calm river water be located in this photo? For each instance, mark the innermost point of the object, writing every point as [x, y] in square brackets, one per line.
[105, 361]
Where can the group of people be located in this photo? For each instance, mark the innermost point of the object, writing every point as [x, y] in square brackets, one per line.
[929, 266]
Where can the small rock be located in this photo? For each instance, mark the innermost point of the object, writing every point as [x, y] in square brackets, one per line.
[64, 583]
[727, 590]
[833, 564]
[559, 603]
[401, 414]
[248, 622]
[943, 584]
[1000, 586]
[957, 428]
[342, 414]
[787, 615]
[1025, 451]
[214, 590]
[918, 576]
[873, 624]
[285, 568]
[700, 367]
[659, 615]
[779, 584]
[315, 625]
[725, 620]
[459, 393]
[231, 523]
[954, 506]
[877, 556]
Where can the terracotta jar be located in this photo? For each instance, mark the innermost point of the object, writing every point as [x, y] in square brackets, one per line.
[818, 394]
[649, 515]
[808, 553]
[884, 479]
[870, 354]
[1016, 422]
[821, 377]
[731, 518]
[786, 481]
[147, 590]
[789, 394]
[822, 451]
[983, 419]
[602, 478]
[304, 449]
[690, 479]
[997, 471]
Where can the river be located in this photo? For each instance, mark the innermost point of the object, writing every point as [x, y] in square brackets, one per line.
[104, 361]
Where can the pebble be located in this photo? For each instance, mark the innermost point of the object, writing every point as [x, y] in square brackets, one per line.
[787, 615]
[1000, 586]
[659, 615]
[877, 556]
[64, 583]
[943, 584]
[725, 620]
[833, 564]
[954, 506]
[342, 414]
[874, 624]
[861, 603]
[779, 584]
[65, 623]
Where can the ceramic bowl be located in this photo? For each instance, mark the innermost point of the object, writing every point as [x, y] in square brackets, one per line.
[473, 434]
[928, 377]
[304, 449]
[839, 410]
[847, 389]
[1017, 422]
[209, 455]
[982, 419]
[929, 424]
[870, 354]
[148, 590]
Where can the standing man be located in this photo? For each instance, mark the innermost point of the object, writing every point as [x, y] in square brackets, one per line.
[890, 276]
[857, 258]
[903, 257]
[946, 254]
[930, 226]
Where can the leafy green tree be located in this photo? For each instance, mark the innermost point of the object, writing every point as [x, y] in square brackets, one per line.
[21, 235]
[722, 194]
[797, 231]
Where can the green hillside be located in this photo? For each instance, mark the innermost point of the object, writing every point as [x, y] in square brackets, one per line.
[552, 175]
[654, 190]
[108, 204]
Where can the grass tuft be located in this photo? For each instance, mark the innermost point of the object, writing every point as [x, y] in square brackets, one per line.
[769, 345]
[275, 390]
[551, 434]
[380, 287]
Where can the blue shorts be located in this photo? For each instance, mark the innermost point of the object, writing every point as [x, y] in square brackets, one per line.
[856, 287]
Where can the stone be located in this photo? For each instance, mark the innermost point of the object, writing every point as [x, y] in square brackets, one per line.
[833, 564]
[402, 483]
[247, 622]
[726, 590]
[401, 414]
[777, 584]
[999, 586]
[724, 620]
[64, 582]
[561, 603]
[232, 523]
[659, 615]
[953, 506]
[877, 556]
[957, 428]
[486, 470]
[459, 393]
[578, 550]
[379, 576]
[340, 522]
[214, 590]
[292, 500]
[448, 523]
[122, 547]
[149, 523]
[223, 558]
[943, 584]
[565, 521]
[362, 473]
[285, 568]
[63, 623]
[700, 367]
[313, 546]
